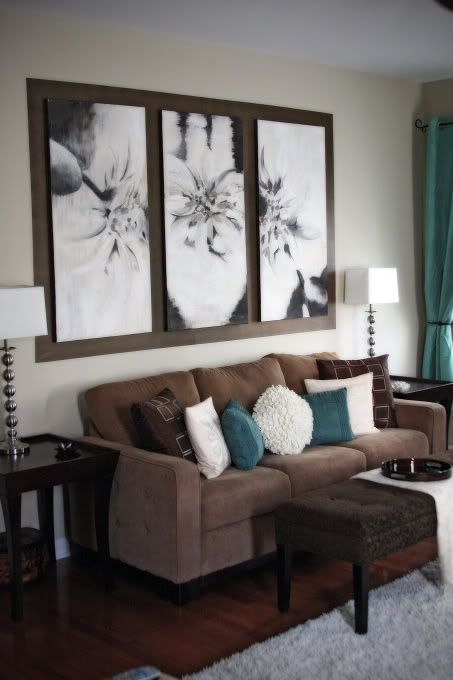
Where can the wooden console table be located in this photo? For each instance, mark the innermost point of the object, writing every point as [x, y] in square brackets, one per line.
[426, 389]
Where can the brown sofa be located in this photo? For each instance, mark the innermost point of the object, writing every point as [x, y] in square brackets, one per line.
[168, 520]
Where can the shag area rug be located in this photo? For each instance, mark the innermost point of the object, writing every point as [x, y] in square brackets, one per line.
[410, 637]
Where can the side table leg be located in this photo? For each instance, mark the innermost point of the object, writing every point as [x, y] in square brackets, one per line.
[102, 488]
[360, 578]
[11, 506]
[46, 522]
[284, 560]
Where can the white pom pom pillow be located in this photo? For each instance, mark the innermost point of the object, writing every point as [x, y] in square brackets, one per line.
[285, 420]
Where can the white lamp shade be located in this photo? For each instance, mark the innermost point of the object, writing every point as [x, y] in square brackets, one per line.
[375, 285]
[22, 312]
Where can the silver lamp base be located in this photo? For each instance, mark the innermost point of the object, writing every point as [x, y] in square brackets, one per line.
[14, 447]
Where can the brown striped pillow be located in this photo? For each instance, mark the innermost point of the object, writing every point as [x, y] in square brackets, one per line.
[383, 404]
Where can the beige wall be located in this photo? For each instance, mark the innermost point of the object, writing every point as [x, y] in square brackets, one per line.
[373, 188]
[437, 98]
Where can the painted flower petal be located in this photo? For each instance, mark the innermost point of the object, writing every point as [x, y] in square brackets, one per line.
[236, 224]
[235, 213]
[210, 230]
[223, 204]
[195, 220]
[310, 230]
[179, 177]
[305, 231]
[230, 181]
[180, 204]
[180, 226]
[215, 183]
[188, 242]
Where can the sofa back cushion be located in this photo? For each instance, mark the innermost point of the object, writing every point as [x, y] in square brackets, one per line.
[109, 406]
[242, 382]
[297, 367]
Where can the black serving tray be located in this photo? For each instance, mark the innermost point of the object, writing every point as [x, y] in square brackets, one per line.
[416, 469]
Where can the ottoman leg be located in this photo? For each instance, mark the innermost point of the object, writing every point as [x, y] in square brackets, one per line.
[360, 579]
[284, 559]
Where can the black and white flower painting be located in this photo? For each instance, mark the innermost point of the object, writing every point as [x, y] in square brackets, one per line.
[292, 220]
[98, 182]
[204, 220]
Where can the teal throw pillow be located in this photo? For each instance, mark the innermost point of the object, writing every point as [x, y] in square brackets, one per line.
[330, 417]
[242, 435]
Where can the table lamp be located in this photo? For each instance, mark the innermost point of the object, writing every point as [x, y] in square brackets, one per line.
[375, 285]
[22, 315]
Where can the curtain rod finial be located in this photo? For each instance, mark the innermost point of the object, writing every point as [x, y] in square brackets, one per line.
[419, 125]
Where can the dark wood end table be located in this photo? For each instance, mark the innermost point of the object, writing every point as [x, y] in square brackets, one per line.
[41, 471]
[426, 389]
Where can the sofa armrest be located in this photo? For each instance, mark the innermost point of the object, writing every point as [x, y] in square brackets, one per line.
[154, 513]
[426, 417]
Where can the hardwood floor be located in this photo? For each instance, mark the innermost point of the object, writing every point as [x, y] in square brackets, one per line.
[73, 629]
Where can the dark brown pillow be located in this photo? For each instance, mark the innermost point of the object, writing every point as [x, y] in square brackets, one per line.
[383, 404]
[161, 426]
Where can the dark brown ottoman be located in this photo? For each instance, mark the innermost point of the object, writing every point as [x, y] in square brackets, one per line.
[357, 521]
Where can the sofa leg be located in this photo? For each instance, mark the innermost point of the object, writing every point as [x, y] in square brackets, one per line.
[360, 579]
[182, 593]
[284, 560]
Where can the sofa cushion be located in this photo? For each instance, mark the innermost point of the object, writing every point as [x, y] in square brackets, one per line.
[161, 426]
[238, 495]
[296, 368]
[109, 405]
[317, 466]
[383, 404]
[242, 382]
[394, 442]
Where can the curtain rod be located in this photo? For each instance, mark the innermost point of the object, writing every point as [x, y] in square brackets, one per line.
[419, 125]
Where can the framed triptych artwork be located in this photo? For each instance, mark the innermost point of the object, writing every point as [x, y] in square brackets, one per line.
[163, 220]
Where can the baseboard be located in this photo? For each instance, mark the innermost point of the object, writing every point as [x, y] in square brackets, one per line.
[62, 548]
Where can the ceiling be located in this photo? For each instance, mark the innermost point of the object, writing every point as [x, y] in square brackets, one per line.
[410, 39]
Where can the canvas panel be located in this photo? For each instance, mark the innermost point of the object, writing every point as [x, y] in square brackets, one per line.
[99, 196]
[205, 248]
[292, 220]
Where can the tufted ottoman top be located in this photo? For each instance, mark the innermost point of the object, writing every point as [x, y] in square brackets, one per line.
[356, 520]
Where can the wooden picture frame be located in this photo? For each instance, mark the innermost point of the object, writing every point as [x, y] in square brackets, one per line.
[47, 348]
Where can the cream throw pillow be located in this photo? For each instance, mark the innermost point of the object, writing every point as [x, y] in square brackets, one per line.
[359, 397]
[208, 443]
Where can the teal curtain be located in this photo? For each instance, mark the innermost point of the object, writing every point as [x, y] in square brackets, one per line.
[438, 251]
